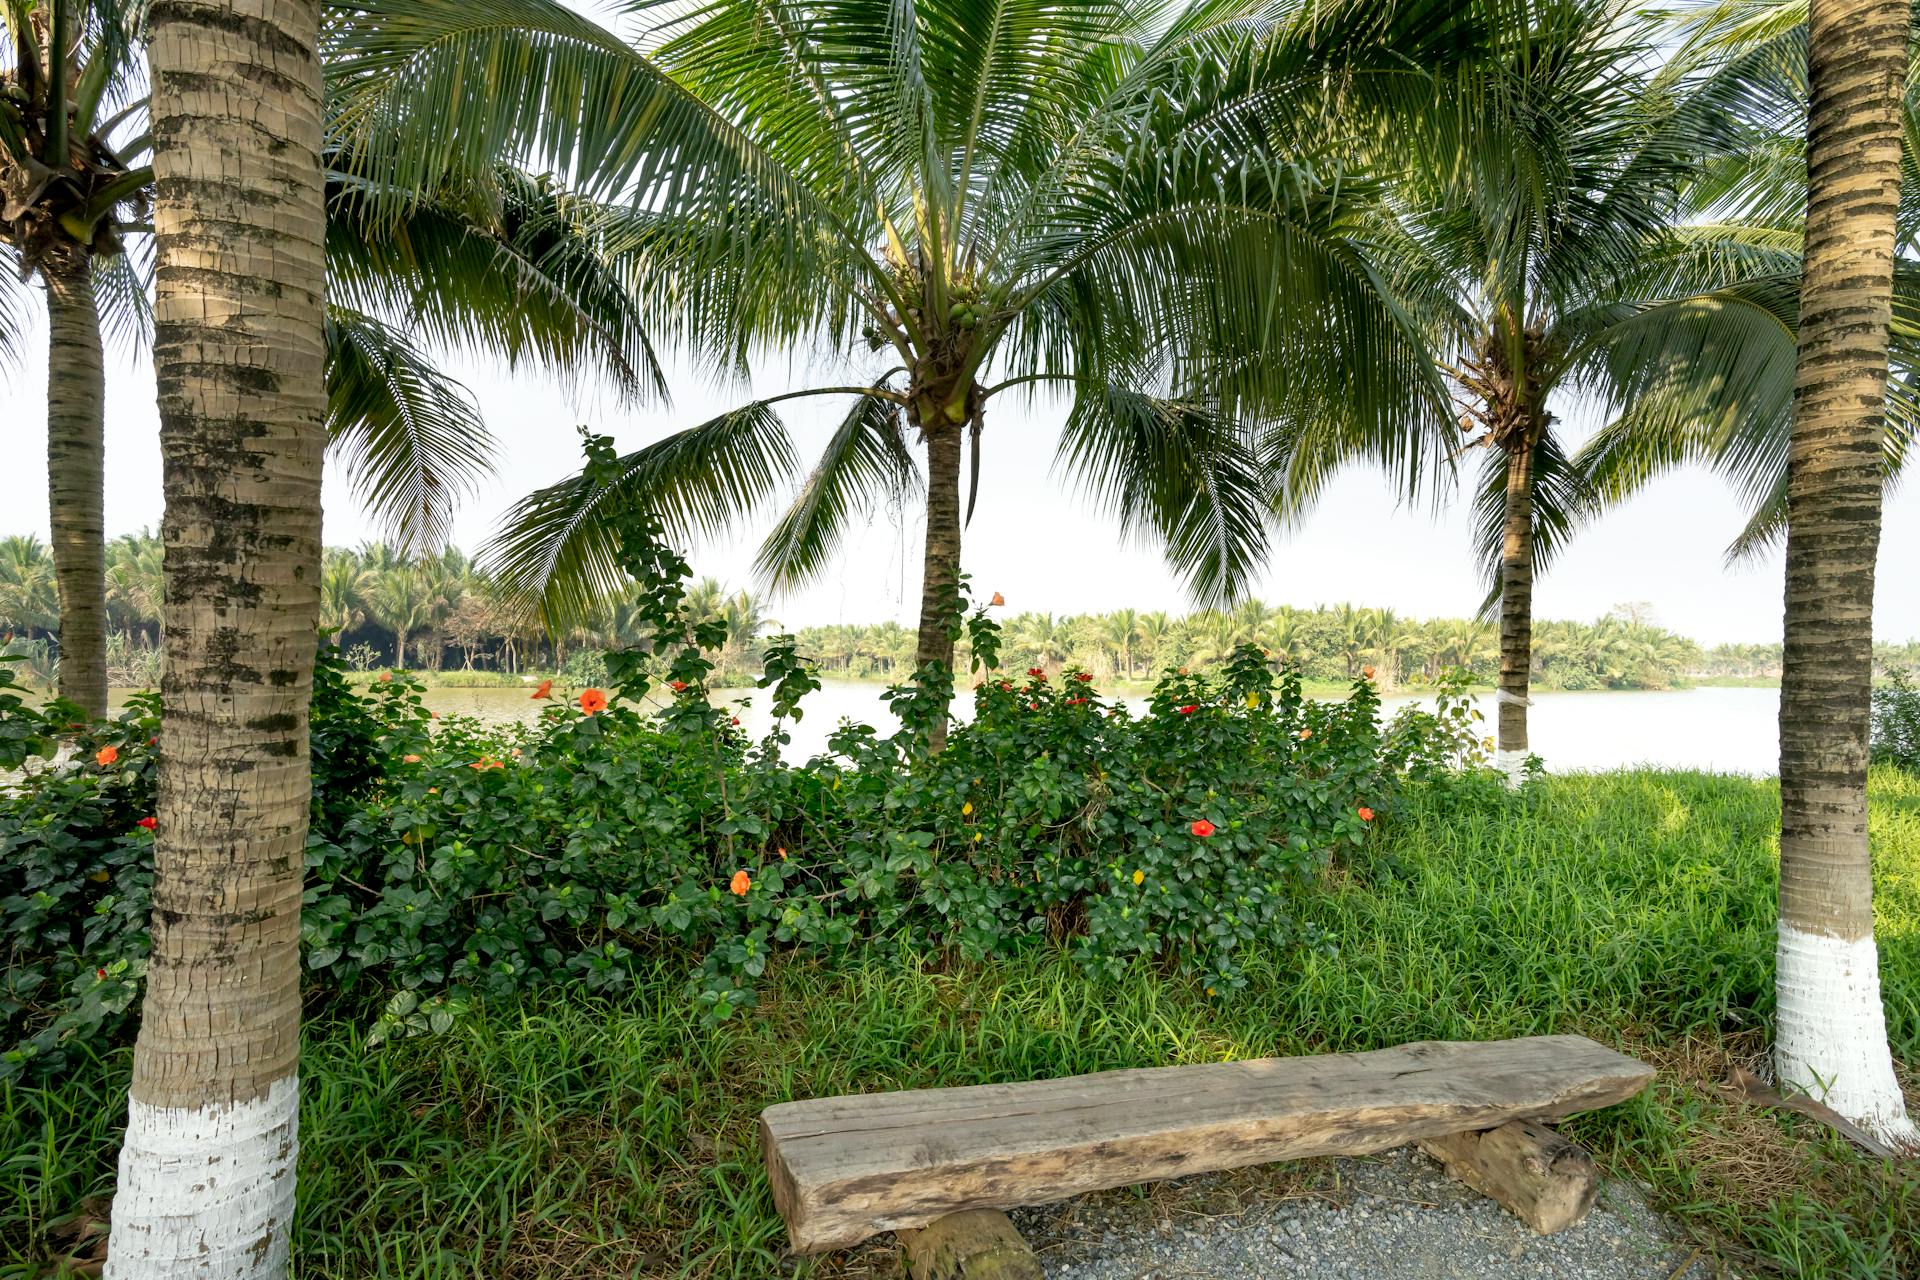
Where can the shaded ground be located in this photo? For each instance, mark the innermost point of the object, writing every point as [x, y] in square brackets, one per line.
[1397, 1216]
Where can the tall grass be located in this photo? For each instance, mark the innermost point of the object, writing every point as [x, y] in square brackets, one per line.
[571, 1135]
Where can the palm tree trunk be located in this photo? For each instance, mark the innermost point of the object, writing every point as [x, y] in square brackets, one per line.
[76, 479]
[1516, 612]
[206, 1184]
[940, 577]
[1831, 1034]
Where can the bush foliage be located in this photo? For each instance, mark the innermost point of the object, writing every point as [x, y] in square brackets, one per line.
[450, 861]
[1896, 723]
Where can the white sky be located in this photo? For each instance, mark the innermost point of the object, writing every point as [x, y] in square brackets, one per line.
[1031, 538]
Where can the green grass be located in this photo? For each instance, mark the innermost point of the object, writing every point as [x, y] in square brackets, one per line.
[577, 1136]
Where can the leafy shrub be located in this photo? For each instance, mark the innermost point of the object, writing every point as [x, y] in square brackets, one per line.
[1896, 722]
[449, 861]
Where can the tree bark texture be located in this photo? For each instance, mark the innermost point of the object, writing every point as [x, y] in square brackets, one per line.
[940, 576]
[76, 476]
[1831, 1038]
[1516, 611]
[207, 1170]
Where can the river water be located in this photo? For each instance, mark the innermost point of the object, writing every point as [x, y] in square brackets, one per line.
[1726, 730]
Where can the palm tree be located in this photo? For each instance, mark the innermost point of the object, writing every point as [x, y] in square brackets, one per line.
[1549, 173]
[136, 584]
[65, 190]
[1092, 198]
[344, 582]
[1736, 281]
[1831, 1034]
[29, 597]
[401, 595]
[1119, 630]
[207, 1168]
[493, 261]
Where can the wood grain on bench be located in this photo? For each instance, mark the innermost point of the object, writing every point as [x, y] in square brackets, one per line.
[847, 1168]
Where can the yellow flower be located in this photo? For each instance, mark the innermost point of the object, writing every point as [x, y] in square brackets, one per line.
[1139, 876]
[1209, 990]
[966, 810]
[976, 837]
[1253, 701]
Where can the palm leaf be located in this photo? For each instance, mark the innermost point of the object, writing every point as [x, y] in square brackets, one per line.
[411, 439]
[557, 554]
[866, 461]
[1177, 470]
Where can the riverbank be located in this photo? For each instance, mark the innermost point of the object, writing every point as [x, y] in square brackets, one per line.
[614, 1135]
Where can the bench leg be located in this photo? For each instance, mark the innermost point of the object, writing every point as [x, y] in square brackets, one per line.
[978, 1244]
[1548, 1182]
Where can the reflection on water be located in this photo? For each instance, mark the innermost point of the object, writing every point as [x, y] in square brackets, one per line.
[1728, 730]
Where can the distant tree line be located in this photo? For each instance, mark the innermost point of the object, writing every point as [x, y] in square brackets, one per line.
[441, 613]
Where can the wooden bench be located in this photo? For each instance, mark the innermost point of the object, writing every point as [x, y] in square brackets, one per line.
[844, 1169]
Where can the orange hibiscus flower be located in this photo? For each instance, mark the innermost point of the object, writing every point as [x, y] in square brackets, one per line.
[593, 701]
[740, 883]
[545, 690]
[106, 756]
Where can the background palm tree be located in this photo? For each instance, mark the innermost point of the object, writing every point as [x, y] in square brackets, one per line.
[29, 596]
[1733, 273]
[67, 189]
[206, 1173]
[493, 261]
[1544, 177]
[1831, 1033]
[959, 206]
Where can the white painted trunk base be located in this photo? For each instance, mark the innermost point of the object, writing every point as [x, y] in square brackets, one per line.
[206, 1192]
[1513, 764]
[1830, 1032]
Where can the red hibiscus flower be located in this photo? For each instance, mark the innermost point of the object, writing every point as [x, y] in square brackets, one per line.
[1085, 677]
[1038, 673]
[1202, 828]
[678, 686]
[148, 823]
[1189, 709]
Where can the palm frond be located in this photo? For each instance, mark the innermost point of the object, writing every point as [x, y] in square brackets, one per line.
[412, 440]
[556, 553]
[16, 311]
[123, 292]
[867, 460]
[508, 265]
[1177, 470]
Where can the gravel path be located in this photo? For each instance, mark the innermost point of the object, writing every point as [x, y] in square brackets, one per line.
[1396, 1216]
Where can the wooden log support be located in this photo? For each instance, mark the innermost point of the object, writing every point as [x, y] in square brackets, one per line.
[978, 1244]
[843, 1169]
[1548, 1182]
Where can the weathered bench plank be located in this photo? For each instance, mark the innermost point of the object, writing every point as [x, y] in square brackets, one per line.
[844, 1169]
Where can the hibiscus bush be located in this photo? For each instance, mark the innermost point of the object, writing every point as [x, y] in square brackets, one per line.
[450, 862]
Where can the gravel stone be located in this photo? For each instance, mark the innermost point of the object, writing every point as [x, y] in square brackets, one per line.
[1391, 1217]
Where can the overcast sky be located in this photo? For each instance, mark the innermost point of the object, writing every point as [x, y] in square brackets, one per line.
[1032, 538]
